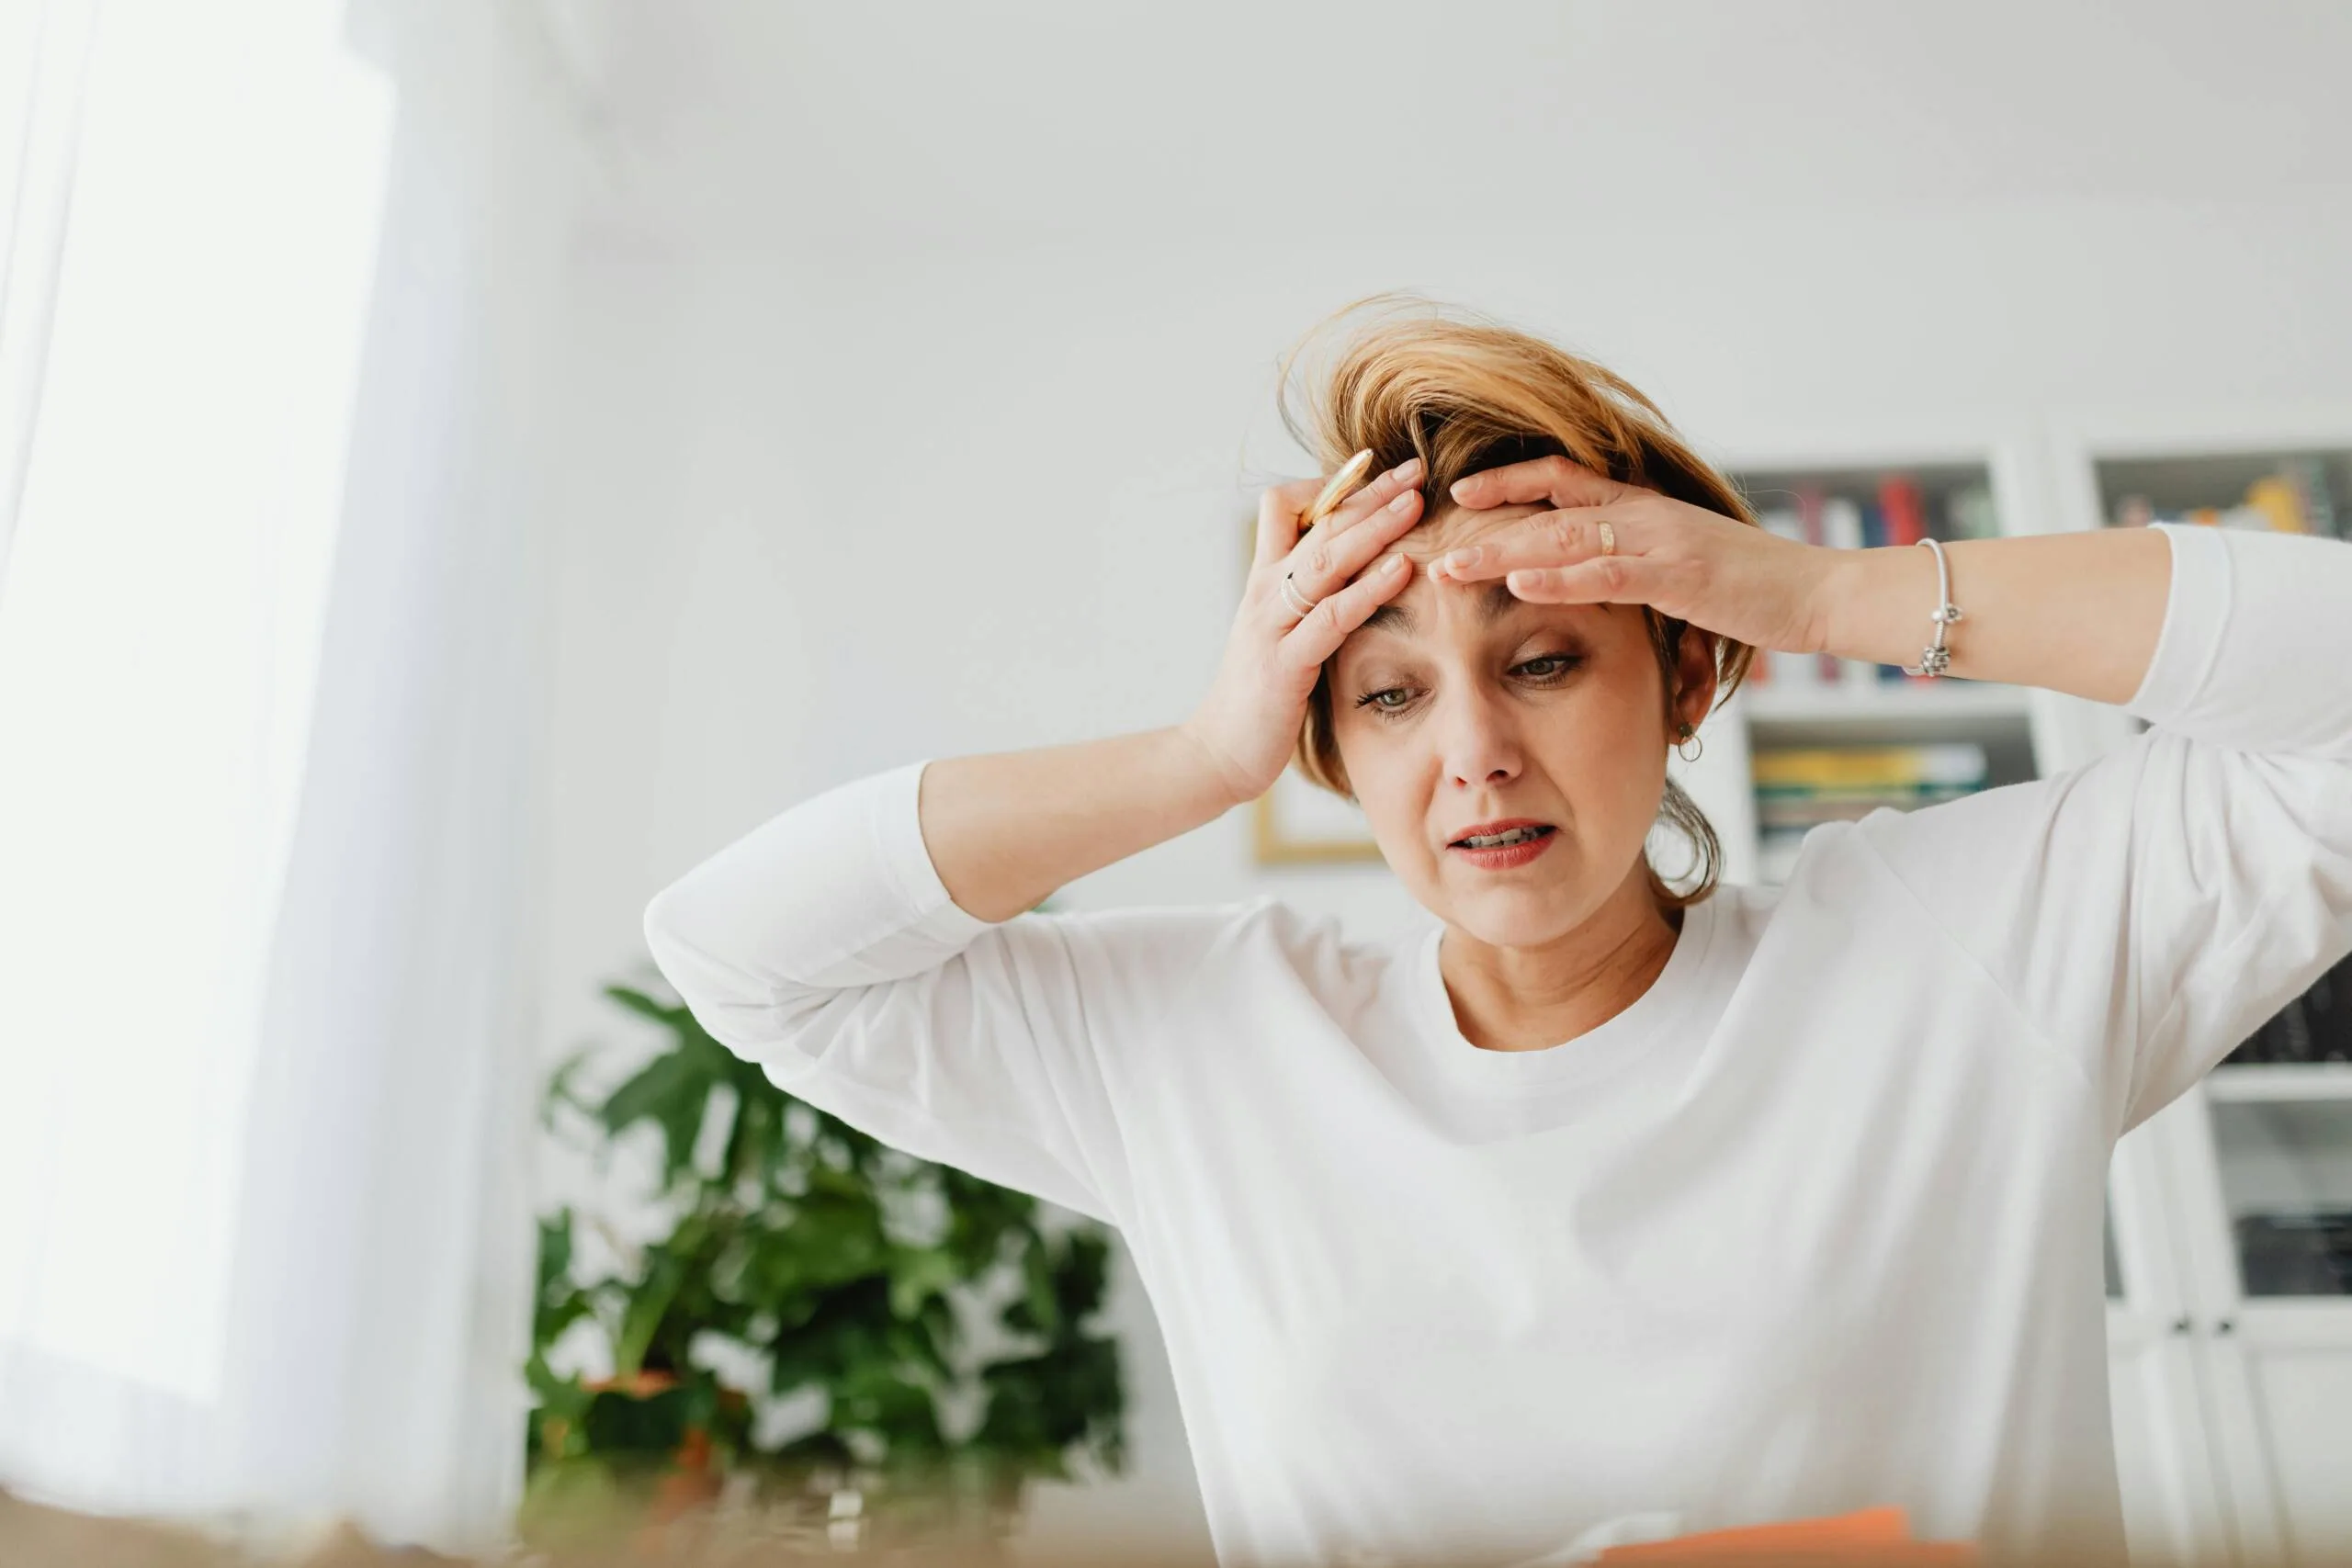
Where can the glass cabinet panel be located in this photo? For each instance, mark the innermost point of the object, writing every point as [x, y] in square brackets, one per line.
[2287, 1186]
[2302, 491]
[2314, 1027]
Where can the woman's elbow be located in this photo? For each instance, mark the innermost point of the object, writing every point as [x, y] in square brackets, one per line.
[692, 961]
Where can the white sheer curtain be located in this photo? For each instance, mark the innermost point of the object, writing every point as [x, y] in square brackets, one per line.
[44, 49]
[270, 677]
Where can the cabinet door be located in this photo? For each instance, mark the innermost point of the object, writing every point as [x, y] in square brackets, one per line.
[2268, 1227]
[2173, 1508]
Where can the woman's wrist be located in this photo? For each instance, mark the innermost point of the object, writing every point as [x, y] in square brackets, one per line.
[2077, 612]
[1203, 774]
[1879, 603]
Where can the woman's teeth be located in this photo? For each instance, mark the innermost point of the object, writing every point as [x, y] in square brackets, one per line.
[1517, 835]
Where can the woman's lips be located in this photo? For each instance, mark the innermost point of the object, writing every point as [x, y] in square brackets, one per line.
[1506, 857]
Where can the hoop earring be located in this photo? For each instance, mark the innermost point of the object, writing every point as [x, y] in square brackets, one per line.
[1689, 733]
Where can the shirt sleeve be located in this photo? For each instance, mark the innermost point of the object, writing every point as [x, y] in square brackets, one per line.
[823, 946]
[2149, 911]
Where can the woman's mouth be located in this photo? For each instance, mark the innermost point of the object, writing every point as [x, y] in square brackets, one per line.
[1501, 846]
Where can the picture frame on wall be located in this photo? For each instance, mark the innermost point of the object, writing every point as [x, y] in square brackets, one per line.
[1296, 823]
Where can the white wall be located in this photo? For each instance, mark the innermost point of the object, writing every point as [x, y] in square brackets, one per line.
[840, 502]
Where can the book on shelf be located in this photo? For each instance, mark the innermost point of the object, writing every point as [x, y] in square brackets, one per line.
[2292, 499]
[1797, 789]
[1903, 516]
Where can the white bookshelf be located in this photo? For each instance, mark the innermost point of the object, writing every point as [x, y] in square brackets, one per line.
[2321, 1081]
[1964, 704]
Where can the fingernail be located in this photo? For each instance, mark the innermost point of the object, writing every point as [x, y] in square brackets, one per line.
[1461, 560]
[1391, 563]
[1410, 469]
[1404, 500]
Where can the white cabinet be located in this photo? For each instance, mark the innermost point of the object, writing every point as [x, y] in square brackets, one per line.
[2230, 1212]
[2263, 1208]
[2173, 1505]
[2230, 1328]
[2230, 1320]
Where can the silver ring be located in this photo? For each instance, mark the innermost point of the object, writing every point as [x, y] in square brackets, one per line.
[1300, 605]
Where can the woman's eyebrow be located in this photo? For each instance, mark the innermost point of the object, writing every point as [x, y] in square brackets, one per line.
[1496, 602]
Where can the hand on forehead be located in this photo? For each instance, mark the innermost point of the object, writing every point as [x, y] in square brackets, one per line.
[1452, 526]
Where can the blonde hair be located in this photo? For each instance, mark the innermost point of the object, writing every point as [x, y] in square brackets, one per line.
[1463, 392]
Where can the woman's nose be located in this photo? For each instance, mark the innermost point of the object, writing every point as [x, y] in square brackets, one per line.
[1479, 740]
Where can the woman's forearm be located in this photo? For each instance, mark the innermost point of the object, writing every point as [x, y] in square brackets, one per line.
[2075, 612]
[1005, 829]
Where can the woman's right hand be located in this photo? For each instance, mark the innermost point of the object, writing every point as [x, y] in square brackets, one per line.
[1249, 722]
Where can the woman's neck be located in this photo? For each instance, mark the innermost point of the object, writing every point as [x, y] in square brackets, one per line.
[1527, 999]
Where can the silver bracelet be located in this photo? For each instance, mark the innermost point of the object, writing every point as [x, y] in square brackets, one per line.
[1936, 659]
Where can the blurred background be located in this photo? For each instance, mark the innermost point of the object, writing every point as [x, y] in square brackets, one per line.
[462, 462]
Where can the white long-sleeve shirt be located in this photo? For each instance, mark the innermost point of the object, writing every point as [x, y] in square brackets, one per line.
[1814, 1224]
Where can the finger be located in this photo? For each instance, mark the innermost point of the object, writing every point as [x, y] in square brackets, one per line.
[1329, 557]
[1603, 580]
[1319, 637]
[1546, 539]
[1278, 509]
[1560, 481]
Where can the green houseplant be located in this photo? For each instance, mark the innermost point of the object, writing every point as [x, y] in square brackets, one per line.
[849, 1274]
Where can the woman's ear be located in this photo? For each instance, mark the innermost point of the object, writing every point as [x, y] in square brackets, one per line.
[1695, 691]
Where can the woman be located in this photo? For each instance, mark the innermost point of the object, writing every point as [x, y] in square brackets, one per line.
[1600, 1197]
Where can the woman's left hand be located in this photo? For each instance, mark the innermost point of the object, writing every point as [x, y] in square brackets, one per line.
[1716, 572]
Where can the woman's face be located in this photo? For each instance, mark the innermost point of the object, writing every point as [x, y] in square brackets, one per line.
[1458, 706]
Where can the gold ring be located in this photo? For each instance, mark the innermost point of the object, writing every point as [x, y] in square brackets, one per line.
[1608, 540]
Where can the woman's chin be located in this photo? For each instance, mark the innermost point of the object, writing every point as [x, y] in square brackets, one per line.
[1521, 914]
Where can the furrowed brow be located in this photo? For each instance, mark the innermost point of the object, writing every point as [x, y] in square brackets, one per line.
[1495, 602]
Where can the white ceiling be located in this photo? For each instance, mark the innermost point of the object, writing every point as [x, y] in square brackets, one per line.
[879, 125]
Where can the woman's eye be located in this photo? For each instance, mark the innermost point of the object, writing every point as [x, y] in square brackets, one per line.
[1548, 668]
